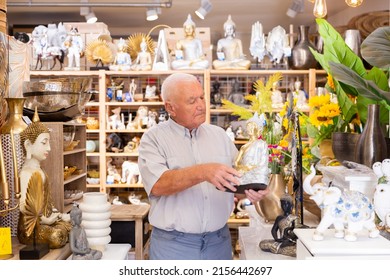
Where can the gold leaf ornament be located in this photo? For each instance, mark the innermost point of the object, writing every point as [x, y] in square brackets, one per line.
[99, 51]
[134, 44]
[34, 202]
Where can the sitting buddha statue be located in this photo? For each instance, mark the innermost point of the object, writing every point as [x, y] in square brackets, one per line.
[54, 227]
[143, 62]
[122, 61]
[284, 239]
[252, 158]
[229, 50]
[189, 50]
[78, 240]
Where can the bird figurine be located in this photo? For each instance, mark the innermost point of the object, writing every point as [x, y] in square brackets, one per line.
[381, 198]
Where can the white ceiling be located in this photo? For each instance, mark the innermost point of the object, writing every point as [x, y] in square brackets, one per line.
[124, 21]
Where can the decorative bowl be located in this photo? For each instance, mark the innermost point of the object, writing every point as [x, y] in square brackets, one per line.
[56, 95]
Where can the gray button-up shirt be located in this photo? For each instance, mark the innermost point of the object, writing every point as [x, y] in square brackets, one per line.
[168, 145]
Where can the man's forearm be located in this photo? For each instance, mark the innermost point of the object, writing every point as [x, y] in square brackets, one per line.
[174, 181]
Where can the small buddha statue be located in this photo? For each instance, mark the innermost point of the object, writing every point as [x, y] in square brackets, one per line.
[143, 62]
[122, 61]
[229, 50]
[276, 97]
[299, 95]
[284, 239]
[252, 158]
[189, 51]
[54, 226]
[78, 239]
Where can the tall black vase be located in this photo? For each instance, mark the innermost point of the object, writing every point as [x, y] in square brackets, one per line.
[301, 57]
[371, 146]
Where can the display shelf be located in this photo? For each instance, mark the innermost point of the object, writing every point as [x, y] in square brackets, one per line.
[100, 107]
[58, 159]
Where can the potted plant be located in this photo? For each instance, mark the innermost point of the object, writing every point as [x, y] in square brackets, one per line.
[355, 86]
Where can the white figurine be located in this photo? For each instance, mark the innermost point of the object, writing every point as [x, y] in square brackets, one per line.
[189, 51]
[276, 97]
[75, 45]
[381, 198]
[230, 133]
[277, 44]
[348, 211]
[150, 92]
[257, 45]
[229, 50]
[122, 61]
[299, 95]
[143, 61]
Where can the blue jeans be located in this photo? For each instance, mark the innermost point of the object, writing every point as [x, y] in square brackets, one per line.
[175, 245]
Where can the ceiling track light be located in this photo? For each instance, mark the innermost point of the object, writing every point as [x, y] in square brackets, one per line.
[87, 12]
[159, 4]
[152, 14]
[91, 17]
[204, 9]
[297, 6]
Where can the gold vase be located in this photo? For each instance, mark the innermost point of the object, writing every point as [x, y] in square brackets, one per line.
[269, 207]
[326, 149]
[15, 116]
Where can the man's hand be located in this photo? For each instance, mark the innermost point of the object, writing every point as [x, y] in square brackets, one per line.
[222, 176]
[255, 196]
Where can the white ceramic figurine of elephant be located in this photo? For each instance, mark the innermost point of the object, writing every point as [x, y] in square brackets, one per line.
[349, 211]
[129, 172]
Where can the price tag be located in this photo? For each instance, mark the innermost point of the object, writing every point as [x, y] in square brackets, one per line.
[5, 241]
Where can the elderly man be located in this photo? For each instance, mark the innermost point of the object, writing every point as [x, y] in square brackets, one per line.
[186, 165]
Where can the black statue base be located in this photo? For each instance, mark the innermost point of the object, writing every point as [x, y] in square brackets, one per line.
[93, 68]
[252, 186]
[31, 252]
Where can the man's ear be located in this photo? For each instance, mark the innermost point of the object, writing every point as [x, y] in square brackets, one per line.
[169, 108]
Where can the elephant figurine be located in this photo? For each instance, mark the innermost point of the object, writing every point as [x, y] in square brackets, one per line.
[129, 171]
[349, 211]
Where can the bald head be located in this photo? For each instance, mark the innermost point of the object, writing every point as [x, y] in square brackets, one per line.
[175, 84]
[183, 98]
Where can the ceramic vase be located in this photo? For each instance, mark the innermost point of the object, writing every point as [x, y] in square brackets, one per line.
[371, 146]
[301, 56]
[96, 219]
[269, 207]
[343, 145]
[353, 40]
[17, 125]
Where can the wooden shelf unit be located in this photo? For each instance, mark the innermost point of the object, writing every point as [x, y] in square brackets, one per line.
[58, 158]
[100, 107]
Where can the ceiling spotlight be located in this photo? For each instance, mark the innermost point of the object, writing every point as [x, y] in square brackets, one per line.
[296, 7]
[152, 14]
[205, 8]
[89, 15]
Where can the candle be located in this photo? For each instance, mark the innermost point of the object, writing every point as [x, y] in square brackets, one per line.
[3, 177]
[15, 163]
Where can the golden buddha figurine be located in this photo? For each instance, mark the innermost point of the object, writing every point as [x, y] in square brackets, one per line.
[189, 51]
[52, 226]
[252, 159]
[229, 50]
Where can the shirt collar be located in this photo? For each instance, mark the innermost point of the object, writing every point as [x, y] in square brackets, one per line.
[181, 130]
